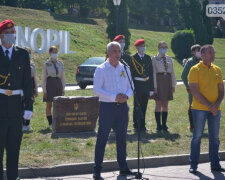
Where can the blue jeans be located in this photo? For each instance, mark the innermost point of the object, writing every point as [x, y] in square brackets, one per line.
[199, 118]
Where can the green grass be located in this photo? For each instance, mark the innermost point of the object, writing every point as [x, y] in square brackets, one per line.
[88, 38]
[39, 149]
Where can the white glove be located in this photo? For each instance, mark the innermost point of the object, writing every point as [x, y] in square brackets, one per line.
[27, 114]
[151, 93]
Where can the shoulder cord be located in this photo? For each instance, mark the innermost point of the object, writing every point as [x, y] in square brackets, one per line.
[5, 79]
[134, 61]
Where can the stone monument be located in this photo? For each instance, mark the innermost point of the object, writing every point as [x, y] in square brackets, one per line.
[74, 114]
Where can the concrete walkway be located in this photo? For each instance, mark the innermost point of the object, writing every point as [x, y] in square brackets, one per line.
[160, 173]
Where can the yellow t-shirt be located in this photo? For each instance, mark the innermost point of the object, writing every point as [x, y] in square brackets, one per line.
[207, 80]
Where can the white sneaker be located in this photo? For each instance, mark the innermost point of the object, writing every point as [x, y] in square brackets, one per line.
[29, 128]
[24, 128]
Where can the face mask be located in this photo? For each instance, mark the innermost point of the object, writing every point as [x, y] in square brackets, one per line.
[163, 51]
[122, 45]
[142, 49]
[9, 38]
[198, 54]
[54, 55]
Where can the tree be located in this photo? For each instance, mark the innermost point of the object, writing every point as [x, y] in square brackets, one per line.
[12, 3]
[193, 17]
[197, 24]
[37, 4]
[184, 11]
[2, 2]
[123, 21]
[207, 22]
[153, 12]
[55, 5]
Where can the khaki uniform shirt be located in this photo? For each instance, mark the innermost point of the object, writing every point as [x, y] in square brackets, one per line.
[158, 67]
[34, 75]
[50, 71]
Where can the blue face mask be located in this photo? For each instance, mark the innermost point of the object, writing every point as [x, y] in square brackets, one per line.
[142, 49]
[122, 45]
[9, 38]
[163, 51]
[54, 56]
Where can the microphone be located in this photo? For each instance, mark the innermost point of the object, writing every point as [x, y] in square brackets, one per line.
[124, 63]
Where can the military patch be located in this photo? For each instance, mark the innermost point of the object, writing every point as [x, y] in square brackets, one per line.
[217, 76]
[9, 25]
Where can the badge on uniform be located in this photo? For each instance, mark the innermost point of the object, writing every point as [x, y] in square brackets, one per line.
[48, 64]
[122, 74]
[217, 76]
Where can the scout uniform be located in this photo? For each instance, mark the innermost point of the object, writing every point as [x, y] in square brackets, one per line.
[53, 81]
[15, 97]
[34, 78]
[142, 75]
[55, 71]
[164, 81]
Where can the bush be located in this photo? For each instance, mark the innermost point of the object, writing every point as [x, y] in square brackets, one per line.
[181, 44]
[218, 32]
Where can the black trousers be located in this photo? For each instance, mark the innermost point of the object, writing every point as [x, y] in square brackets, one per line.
[10, 140]
[142, 98]
[109, 114]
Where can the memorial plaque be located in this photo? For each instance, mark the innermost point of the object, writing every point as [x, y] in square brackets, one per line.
[74, 114]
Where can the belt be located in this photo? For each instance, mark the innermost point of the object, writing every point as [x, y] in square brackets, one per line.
[141, 79]
[8, 92]
[163, 73]
[113, 103]
[52, 77]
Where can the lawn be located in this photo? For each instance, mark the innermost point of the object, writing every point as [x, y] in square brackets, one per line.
[39, 149]
[89, 38]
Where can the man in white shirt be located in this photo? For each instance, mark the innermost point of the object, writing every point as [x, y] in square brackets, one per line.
[112, 84]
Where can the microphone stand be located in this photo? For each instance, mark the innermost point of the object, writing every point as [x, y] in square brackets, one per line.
[137, 175]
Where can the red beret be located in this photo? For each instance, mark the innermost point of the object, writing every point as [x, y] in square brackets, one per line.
[139, 42]
[119, 37]
[6, 24]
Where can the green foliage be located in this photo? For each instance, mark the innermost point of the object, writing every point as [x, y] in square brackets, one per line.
[197, 23]
[37, 4]
[185, 12]
[195, 18]
[122, 24]
[12, 3]
[218, 32]
[181, 44]
[2, 2]
[208, 23]
[153, 12]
